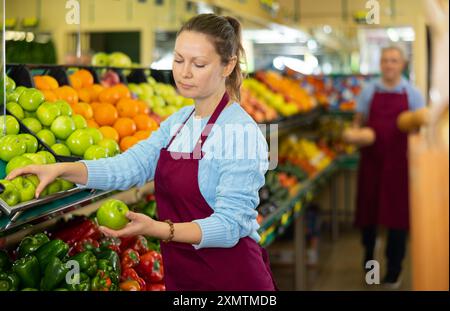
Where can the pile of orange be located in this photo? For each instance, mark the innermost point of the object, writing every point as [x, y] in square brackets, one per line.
[111, 110]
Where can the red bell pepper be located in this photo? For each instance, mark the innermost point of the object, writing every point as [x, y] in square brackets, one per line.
[151, 267]
[86, 244]
[156, 287]
[130, 286]
[131, 274]
[110, 243]
[129, 259]
[77, 230]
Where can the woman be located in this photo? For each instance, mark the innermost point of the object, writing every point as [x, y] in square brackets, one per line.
[206, 192]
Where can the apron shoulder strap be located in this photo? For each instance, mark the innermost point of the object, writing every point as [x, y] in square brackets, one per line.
[179, 129]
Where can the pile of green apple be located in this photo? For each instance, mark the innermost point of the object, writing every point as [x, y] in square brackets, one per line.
[161, 98]
[55, 124]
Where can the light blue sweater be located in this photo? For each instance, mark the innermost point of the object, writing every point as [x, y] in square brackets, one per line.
[230, 175]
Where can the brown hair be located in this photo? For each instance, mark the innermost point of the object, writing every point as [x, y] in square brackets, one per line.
[226, 35]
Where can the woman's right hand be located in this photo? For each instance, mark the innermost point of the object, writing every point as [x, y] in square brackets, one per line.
[45, 173]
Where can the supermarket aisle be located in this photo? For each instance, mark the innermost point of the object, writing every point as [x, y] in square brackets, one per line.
[340, 268]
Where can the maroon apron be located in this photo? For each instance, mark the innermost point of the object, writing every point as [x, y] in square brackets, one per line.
[243, 267]
[383, 194]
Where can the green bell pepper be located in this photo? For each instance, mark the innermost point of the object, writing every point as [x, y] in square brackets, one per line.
[83, 283]
[54, 248]
[27, 269]
[87, 261]
[61, 290]
[112, 257]
[55, 273]
[9, 281]
[31, 243]
[5, 262]
[29, 289]
[101, 281]
[105, 265]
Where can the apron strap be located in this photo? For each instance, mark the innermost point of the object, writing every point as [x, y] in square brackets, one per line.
[179, 130]
[204, 136]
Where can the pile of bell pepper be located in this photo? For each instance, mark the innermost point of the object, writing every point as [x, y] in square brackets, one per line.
[46, 262]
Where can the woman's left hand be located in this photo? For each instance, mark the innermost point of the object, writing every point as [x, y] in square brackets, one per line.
[140, 224]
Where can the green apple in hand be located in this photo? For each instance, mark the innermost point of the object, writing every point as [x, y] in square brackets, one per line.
[39, 159]
[47, 137]
[80, 122]
[30, 99]
[11, 146]
[26, 188]
[61, 149]
[112, 213]
[66, 185]
[32, 124]
[95, 133]
[95, 152]
[30, 141]
[11, 194]
[64, 107]
[49, 158]
[16, 110]
[17, 162]
[63, 126]
[47, 113]
[79, 142]
[10, 123]
[111, 146]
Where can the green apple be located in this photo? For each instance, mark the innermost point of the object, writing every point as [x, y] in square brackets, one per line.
[14, 95]
[80, 121]
[17, 162]
[95, 133]
[100, 59]
[136, 89]
[47, 113]
[32, 124]
[10, 124]
[112, 214]
[29, 114]
[61, 149]
[111, 146]
[10, 84]
[54, 187]
[31, 99]
[30, 141]
[34, 179]
[63, 126]
[157, 101]
[66, 185]
[95, 153]
[11, 146]
[79, 142]
[64, 107]
[47, 137]
[49, 158]
[26, 188]
[16, 110]
[120, 60]
[39, 159]
[11, 194]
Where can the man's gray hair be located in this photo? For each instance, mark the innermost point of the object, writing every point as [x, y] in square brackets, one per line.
[397, 48]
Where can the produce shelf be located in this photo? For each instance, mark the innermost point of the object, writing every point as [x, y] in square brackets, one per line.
[52, 209]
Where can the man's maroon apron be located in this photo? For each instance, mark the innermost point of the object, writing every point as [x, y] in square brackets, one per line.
[243, 267]
[383, 194]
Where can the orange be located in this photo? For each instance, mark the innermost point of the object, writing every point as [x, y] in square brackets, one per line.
[67, 93]
[75, 81]
[51, 82]
[41, 84]
[110, 133]
[95, 105]
[49, 96]
[86, 77]
[145, 123]
[84, 95]
[143, 107]
[128, 142]
[125, 127]
[95, 90]
[105, 114]
[92, 123]
[83, 109]
[122, 90]
[109, 96]
[141, 135]
[127, 108]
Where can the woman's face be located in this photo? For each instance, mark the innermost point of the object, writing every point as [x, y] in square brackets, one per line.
[197, 68]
